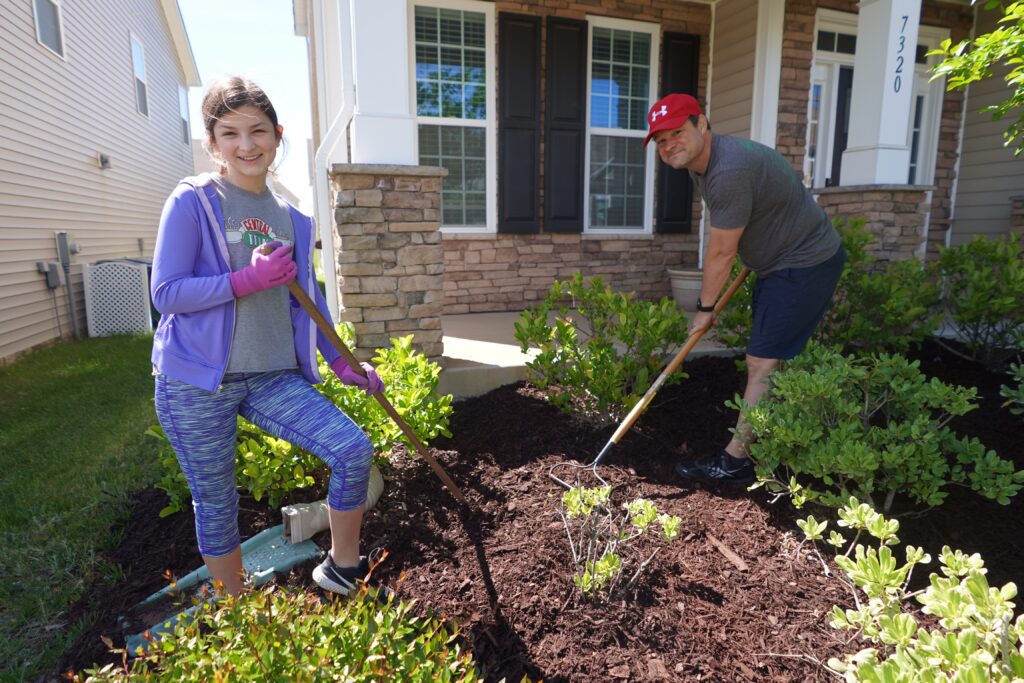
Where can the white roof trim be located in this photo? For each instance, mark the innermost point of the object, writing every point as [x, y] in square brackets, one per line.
[181, 45]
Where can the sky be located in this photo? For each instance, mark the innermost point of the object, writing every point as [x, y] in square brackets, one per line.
[256, 39]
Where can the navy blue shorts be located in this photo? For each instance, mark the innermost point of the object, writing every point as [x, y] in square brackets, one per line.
[788, 305]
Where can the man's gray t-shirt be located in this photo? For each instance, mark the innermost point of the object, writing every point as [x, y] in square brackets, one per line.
[748, 185]
[262, 339]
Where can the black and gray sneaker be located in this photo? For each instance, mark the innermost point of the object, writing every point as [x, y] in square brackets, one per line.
[346, 580]
[720, 468]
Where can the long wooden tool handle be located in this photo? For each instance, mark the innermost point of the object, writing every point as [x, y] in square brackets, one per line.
[670, 368]
[353, 362]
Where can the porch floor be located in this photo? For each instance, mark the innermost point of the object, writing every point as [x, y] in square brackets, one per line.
[481, 353]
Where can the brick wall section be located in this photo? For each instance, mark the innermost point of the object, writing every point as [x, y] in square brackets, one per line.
[794, 91]
[1017, 215]
[514, 272]
[388, 254]
[895, 214]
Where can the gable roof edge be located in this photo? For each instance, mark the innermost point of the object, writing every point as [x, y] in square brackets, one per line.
[182, 47]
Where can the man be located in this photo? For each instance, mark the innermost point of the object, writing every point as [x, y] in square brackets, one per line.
[760, 210]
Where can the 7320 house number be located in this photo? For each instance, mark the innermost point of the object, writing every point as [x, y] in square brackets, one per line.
[897, 81]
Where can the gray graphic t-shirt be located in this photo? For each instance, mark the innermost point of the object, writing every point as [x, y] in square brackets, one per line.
[262, 339]
[748, 185]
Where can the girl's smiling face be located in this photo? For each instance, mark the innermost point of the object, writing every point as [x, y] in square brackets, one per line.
[246, 142]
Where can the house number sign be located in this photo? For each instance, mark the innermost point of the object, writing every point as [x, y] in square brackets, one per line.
[901, 44]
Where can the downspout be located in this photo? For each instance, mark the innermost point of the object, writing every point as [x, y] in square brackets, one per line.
[335, 133]
[959, 144]
[707, 112]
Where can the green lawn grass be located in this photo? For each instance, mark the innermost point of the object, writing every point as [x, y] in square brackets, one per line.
[72, 418]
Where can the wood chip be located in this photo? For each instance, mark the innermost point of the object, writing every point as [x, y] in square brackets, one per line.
[656, 670]
[729, 554]
[621, 671]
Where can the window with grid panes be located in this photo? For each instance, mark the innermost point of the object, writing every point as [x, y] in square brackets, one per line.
[619, 99]
[451, 106]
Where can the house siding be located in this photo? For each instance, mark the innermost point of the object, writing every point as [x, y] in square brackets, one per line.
[732, 76]
[990, 175]
[58, 114]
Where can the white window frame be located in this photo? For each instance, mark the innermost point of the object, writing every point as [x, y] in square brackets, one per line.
[931, 117]
[654, 30]
[489, 123]
[183, 114]
[132, 40]
[58, 5]
[825, 72]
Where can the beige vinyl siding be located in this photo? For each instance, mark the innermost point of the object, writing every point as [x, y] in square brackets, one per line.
[57, 115]
[732, 87]
[989, 174]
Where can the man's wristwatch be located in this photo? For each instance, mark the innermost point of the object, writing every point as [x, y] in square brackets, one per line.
[701, 308]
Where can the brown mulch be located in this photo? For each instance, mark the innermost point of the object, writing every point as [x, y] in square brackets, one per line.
[732, 600]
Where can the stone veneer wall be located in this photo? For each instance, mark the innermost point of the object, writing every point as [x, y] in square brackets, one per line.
[895, 214]
[514, 272]
[794, 91]
[388, 254]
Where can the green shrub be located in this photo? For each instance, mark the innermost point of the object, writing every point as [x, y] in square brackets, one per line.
[977, 639]
[279, 634]
[604, 351]
[602, 539]
[274, 468]
[1015, 395]
[872, 426]
[983, 297]
[410, 381]
[876, 307]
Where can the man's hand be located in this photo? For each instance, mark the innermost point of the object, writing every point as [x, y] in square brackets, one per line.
[702, 321]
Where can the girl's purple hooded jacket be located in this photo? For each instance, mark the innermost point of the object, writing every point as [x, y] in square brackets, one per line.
[192, 290]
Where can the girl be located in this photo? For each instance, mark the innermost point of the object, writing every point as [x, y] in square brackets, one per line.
[232, 341]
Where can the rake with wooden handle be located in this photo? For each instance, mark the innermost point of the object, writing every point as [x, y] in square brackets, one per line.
[642, 404]
[332, 336]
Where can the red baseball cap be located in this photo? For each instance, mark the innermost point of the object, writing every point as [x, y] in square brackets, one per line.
[671, 112]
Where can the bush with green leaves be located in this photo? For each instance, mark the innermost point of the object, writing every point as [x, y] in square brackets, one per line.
[280, 634]
[275, 468]
[602, 539]
[873, 427]
[1014, 395]
[877, 306]
[602, 350]
[983, 298]
[410, 381]
[977, 639]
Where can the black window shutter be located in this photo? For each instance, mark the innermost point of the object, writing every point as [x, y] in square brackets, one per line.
[680, 59]
[518, 123]
[565, 124]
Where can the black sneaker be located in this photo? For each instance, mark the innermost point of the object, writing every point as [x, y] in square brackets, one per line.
[346, 580]
[718, 468]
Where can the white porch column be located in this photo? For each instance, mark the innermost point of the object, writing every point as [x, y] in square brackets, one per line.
[383, 127]
[883, 81]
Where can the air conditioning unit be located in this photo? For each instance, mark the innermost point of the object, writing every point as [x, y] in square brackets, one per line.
[117, 298]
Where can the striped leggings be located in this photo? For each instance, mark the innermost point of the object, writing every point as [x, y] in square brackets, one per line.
[202, 428]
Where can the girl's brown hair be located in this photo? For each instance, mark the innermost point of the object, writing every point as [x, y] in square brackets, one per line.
[229, 94]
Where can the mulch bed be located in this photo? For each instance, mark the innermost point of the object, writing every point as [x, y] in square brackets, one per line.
[732, 600]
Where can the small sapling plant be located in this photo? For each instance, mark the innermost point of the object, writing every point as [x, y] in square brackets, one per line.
[602, 539]
[977, 638]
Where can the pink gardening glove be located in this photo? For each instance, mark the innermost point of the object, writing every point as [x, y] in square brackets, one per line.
[371, 384]
[271, 265]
